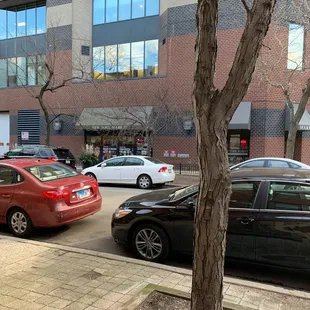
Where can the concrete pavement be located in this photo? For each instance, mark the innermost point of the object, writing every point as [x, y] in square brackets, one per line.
[36, 275]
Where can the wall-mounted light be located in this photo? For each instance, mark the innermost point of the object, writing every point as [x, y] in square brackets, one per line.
[57, 125]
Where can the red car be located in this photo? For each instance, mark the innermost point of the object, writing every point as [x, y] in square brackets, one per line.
[42, 193]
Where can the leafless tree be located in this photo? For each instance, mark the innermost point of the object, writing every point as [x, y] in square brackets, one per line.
[282, 66]
[214, 109]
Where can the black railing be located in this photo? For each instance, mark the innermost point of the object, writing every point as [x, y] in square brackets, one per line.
[186, 169]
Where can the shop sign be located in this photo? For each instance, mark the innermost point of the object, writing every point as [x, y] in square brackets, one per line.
[107, 127]
[304, 127]
[173, 154]
[238, 152]
[183, 155]
[25, 135]
[166, 153]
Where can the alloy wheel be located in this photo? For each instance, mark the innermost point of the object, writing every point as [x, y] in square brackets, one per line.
[144, 182]
[19, 222]
[148, 243]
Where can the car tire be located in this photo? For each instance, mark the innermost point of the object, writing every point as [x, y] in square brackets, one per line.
[20, 223]
[161, 245]
[144, 181]
[89, 174]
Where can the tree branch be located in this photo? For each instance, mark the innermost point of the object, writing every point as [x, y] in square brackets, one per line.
[246, 6]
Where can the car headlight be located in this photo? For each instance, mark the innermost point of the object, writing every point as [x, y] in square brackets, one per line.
[119, 213]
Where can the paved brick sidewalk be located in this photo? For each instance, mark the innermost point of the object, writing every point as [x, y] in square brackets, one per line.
[42, 276]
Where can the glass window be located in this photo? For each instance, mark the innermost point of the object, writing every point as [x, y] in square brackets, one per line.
[115, 162]
[111, 11]
[31, 21]
[12, 77]
[138, 8]
[289, 196]
[41, 70]
[253, 164]
[29, 151]
[295, 55]
[41, 19]
[151, 58]
[277, 164]
[98, 63]
[11, 18]
[46, 173]
[21, 21]
[137, 59]
[98, 12]
[124, 9]
[111, 62]
[154, 160]
[2, 24]
[6, 176]
[3, 73]
[243, 194]
[21, 71]
[32, 70]
[152, 7]
[124, 60]
[132, 161]
[184, 192]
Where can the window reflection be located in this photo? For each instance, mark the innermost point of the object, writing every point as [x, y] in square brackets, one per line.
[137, 8]
[124, 9]
[21, 21]
[152, 7]
[2, 24]
[111, 62]
[98, 12]
[11, 18]
[111, 11]
[31, 20]
[151, 58]
[3, 73]
[124, 60]
[21, 71]
[31, 70]
[98, 62]
[41, 70]
[12, 78]
[137, 59]
[295, 57]
[41, 19]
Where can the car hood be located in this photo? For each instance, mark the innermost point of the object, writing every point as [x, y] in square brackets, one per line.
[153, 197]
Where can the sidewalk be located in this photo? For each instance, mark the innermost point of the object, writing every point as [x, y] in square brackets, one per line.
[37, 275]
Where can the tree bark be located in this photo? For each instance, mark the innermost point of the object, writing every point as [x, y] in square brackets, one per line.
[214, 109]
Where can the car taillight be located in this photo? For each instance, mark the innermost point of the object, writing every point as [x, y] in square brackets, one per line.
[52, 158]
[57, 195]
[163, 169]
[95, 187]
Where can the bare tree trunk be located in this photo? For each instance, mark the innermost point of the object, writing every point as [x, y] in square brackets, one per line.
[148, 136]
[47, 120]
[291, 140]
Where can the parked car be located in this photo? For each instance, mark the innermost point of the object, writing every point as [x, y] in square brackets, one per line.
[270, 162]
[59, 154]
[139, 170]
[269, 222]
[41, 193]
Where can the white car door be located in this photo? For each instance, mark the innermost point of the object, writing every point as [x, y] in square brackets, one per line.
[131, 170]
[111, 170]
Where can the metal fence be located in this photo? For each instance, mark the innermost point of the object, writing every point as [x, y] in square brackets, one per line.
[186, 169]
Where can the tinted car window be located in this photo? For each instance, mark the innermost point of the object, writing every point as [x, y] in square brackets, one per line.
[51, 172]
[289, 196]
[63, 153]
[154, 160]
[6, 176]
[46, 152]
[277, 164]
[252, 164]
[243, 194]
[14, 152]
[295, 166]
[115, 162]
[27, 152]
[131, 161]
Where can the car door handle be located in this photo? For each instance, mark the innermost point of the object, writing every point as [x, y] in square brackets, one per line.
[6, 195]
[245, 220]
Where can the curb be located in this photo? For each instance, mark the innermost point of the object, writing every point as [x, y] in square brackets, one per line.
[182, 271]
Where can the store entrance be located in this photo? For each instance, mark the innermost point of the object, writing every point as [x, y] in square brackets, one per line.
[238, 144]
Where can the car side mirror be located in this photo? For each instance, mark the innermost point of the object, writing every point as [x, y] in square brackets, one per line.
[103, 165]
[191, 202]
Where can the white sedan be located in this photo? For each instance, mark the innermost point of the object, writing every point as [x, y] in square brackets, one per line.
[270, 162]
[139, 170]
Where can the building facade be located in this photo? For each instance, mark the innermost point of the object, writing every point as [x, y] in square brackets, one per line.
[127, 67]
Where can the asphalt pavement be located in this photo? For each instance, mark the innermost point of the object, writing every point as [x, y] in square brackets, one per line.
[94, 233]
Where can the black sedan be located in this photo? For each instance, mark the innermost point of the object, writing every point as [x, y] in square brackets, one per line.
[269, 223]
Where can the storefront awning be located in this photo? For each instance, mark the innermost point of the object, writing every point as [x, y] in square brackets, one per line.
[127, 118]
[242, 117]
[304, 123]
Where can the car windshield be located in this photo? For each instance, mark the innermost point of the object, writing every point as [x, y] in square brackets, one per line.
[51, 172]
[183, 192]
[63, 153]
[154, 160]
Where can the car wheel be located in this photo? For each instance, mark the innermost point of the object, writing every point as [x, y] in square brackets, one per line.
[20, 223]
[150, 243]
[89, 174]
[144, 182]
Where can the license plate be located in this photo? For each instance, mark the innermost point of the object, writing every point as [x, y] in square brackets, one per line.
[67, 161]
[83, 194]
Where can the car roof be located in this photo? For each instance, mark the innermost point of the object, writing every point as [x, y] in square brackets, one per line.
[284, 173]
[21, 163]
